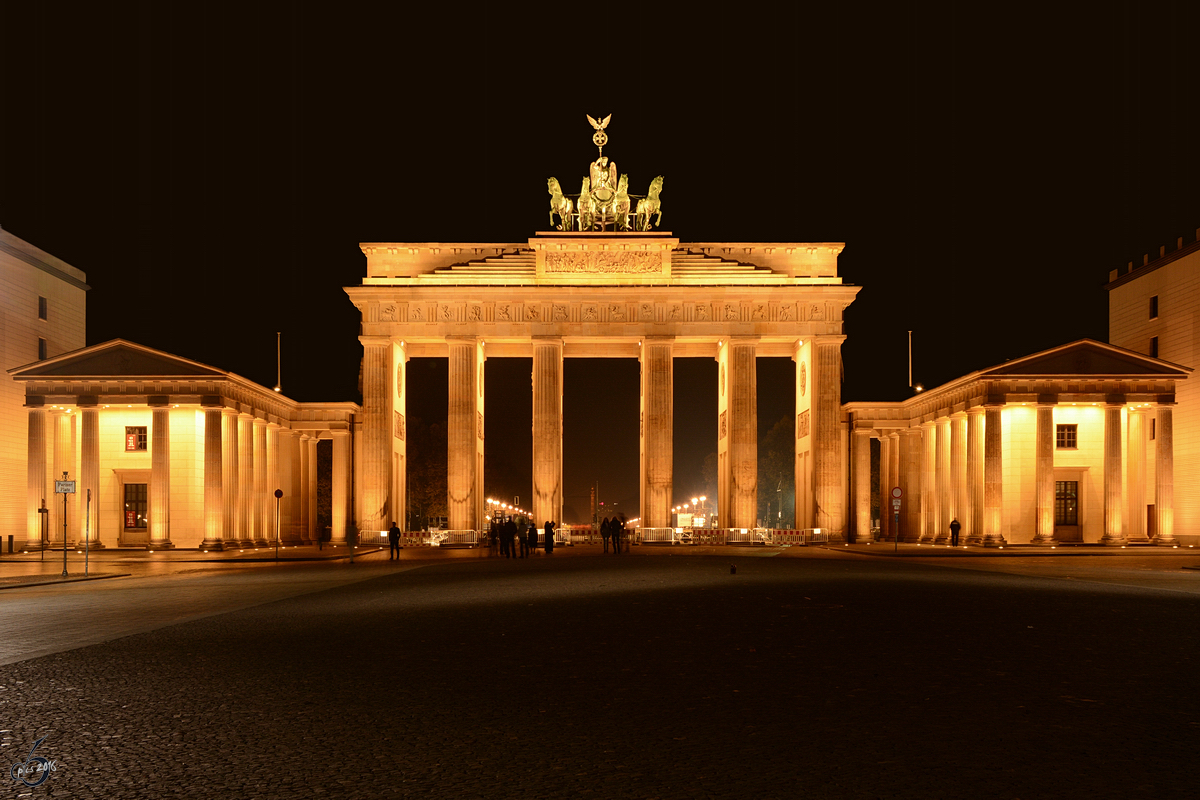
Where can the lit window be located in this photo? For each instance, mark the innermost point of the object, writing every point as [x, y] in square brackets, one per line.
[135, 506]
[42, 310]
[41, 349]
[1154, 307]
[1154, 347]
[135, 438]
[1066, 437]
[1066, 500]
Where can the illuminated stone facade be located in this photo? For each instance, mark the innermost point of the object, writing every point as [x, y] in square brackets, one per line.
[175, 453]
[604, 295]
[42, 306]
[1070, 445]
[1154, 309]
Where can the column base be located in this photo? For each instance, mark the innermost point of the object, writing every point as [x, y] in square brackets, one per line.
[1118, 541]
[1044, 541]
[995, 540]
[94, 545]
[245, 543]
[59, 545]
[164, 544]
[213, 544]
[1165, 541]
[260, 543]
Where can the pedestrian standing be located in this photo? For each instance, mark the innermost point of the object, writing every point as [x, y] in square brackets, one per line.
[394, 542]
[955, 527]
[617, 528]
[522, 538]
[508, 535]
[532, 534]
[605, 533]
[549, 536]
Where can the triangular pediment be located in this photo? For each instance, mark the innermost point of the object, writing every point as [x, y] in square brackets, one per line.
[1087, 358]
[116, 359]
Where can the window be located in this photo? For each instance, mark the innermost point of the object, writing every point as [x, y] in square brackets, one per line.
[135, 506]
[1066, 501]
[1066, 437]
[1154, 307]
[1154, 347]
[1153, 427]
[41, 349]
[135, 439]
[42, 312]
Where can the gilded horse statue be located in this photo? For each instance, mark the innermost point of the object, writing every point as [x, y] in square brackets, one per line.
[587, 206]
[650, 205]
[622, 204]
[559, 204]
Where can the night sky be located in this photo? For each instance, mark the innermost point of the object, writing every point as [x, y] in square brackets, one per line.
[213, 169]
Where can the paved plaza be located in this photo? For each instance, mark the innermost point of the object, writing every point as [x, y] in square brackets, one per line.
[811, 672]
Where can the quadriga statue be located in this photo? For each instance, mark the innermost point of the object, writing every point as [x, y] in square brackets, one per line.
[650, 205]
[559, 204]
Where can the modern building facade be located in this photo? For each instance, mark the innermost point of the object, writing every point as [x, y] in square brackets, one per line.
[1071, 445]
[1154, 309]
[43, 313]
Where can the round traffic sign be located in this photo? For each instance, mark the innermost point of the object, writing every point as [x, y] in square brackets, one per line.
[896, 492]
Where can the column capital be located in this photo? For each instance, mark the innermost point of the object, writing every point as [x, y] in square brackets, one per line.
[1111, 400]
[375, 341]
[1047, 400]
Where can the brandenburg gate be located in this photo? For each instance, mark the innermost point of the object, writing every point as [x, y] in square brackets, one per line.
[604, 284]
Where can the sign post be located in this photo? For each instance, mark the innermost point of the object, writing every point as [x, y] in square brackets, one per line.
[896, 495]
[64, 487]
[278, 494]
[87, 532]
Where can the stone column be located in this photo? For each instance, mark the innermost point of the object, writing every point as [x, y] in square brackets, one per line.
[289, 444]
[261, 498]
[894, 473]
[246, 511]
[341, 486]
[310, 491]
[958, 472]
[993, 477]
[36, 480]
[945, 499]
[464, 434]
[657, 431]
[828, 488]
[303, 505]
[1114, 509]
[89, 476]
[229, 475]
[1164, 478]
[910, 484]
[976, 420]
[1135, 476]
[547, 430]
[929, 506]
[862, 486]
[375, 475]
[159, 509]
[739, 428]
[886, 481]
[64, 463]
[1044, 474]
[214, 477]
[275, 481]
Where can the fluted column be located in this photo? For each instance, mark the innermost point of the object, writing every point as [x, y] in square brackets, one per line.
[1164, 478]
[1044, 475]
[261, 498]
[310, 491]
[1114, 510]
[89, 476]
[958, 473]
[275, 480]
[246, 511]
[302, 496]
[289, 443]
[910, 484]
[229, 475]
[737, 445]
[886, 481]
[894, 473]
[214, 481]
[36, 473]
[341, 486]
[828, 489]
[64, 463]
[993, 477]
[160, 478]
[375, 475]
[976, 421]
[547, 430]
[464, 435]
[929, 507]
[657, 431]
[945, 500]
[1135, 476]
[862, 485]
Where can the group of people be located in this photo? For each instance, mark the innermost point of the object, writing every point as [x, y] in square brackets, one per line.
[613, 530]
[516, 535]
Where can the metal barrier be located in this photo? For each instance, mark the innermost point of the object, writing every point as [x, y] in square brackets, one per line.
[658, 535]
[815, 535]
[464, 538]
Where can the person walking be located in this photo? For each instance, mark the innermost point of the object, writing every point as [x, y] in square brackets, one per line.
[522, 538]
[605, 533]
[509, 534]
[549, 536]
[394, 542]
[955, 527]
[617, 528]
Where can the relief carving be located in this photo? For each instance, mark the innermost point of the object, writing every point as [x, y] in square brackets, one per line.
[388, 313]
[476, 314]
[760, 311]
[415, 314]
[398, 425]
[479, 423]
[443, 312]
[721, 435]
[732, 313]
[603, 262]
[785, 312]
[802, 424]
[503, 313]
[532, 314]
[560, 313]
[590, 313]
[815, 312]
[646, 311]
[702, 313]
[616, 312]
[676, 312]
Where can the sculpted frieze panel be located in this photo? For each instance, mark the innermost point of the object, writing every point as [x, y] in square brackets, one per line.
[503, 312]
[532, 313]
[444, 312]
[388, 313]
[616, 312]
[415, 313]
[590, 312]
[603, 262]
[703, 312]
[759, 312]
[785, 312]
[676, 312]
[475, 313]
[561, 312]
[646, 312]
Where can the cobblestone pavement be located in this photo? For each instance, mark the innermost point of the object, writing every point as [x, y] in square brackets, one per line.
[821, 675]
